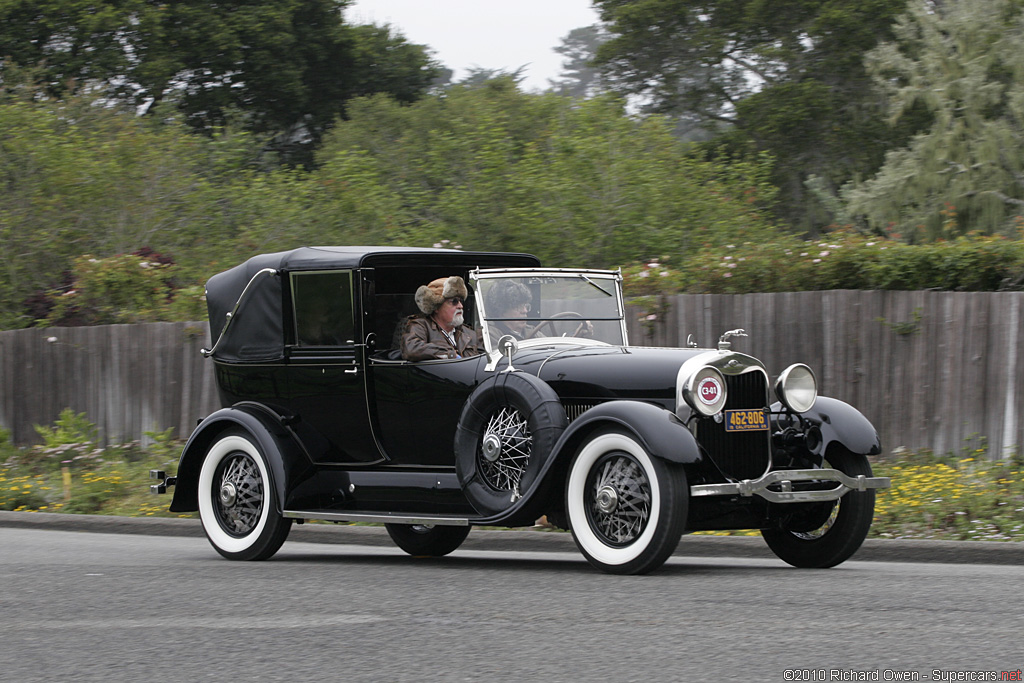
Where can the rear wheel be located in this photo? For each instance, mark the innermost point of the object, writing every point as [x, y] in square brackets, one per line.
[627, 509]
[237, 500]
[827, 534]
[427, 540]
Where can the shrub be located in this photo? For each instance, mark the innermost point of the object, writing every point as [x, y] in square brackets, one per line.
[847, 260]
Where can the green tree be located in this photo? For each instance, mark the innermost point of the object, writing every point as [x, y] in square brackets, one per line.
[579, 76]
[785, 77]
[80, 178]
[963, 63]
[491, 167]
[284, 67]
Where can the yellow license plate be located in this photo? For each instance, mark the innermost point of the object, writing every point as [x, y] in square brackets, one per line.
[745, 420]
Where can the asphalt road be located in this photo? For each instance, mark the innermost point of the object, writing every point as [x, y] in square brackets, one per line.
[134, 607]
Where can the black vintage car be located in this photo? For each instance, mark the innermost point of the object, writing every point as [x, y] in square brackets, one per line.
[627, 447]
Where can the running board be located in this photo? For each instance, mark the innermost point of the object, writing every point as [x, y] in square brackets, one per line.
[378, 517]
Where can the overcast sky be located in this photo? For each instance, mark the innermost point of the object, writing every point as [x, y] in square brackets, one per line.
[484, 33]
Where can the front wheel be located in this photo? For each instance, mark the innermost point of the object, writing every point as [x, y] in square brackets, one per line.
[237, 500]
[626, 508]
[424, 540]
[827, 534]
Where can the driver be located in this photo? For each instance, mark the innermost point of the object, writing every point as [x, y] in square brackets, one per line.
[508, 299]
[439, 332]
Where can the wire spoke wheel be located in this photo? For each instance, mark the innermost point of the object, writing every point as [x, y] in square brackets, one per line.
[625, 507]
[505, 449]
[239, 494]
[505, 437]
[618, 499]
[237, 499]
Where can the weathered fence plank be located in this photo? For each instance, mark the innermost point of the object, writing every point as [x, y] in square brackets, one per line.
[929, 369]
[128, 379]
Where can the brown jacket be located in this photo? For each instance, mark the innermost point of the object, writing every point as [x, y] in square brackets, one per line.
[423, 339]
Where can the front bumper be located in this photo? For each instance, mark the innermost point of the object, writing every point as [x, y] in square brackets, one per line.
[784, 493]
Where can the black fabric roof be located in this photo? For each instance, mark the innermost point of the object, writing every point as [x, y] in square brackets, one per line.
[257, 332]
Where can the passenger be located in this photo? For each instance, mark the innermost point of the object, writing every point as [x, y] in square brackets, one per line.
[439, 332]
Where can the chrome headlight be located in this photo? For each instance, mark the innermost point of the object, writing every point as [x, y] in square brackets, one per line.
[705, 391]
[797, 388]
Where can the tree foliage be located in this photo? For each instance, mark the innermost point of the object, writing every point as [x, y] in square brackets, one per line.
[495, 168]
[579, 76]
[487, 166]
[785, 76]
[282, 67]
[964, 64]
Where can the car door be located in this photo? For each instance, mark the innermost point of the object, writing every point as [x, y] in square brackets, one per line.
[326, 378]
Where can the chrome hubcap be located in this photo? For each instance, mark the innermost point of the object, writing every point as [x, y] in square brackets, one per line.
[228, 494]
[606, 499]
[491, 447]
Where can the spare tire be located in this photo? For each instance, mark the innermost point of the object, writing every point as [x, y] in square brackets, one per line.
[507, 431]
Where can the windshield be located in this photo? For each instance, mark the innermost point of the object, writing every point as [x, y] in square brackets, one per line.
[546, 305]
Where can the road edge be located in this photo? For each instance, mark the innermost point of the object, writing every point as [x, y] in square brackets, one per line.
[531, 540]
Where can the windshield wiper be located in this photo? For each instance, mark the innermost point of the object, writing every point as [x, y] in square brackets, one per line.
[595, 285]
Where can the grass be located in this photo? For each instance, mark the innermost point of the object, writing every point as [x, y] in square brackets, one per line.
[79, 477]
[963, 497]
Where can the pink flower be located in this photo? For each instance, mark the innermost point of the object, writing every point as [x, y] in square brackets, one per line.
[728, 275]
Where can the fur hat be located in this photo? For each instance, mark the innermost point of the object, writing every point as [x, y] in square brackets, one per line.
[430, 297]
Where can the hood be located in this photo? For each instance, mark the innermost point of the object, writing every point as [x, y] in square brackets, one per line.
[598, 373]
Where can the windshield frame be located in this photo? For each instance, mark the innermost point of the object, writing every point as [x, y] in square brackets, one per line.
[608, 281]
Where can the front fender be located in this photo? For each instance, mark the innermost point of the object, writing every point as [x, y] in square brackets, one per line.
[659, 431]
[288, 462]
[840, 423]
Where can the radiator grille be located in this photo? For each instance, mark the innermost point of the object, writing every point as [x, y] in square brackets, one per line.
[743, 455]
[574, 409]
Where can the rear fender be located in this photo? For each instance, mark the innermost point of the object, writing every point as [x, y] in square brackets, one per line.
[289, 464]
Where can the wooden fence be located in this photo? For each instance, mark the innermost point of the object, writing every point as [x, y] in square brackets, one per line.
[128, 379]
[932, 370]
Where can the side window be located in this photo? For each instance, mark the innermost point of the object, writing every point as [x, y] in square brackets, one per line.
[323, 308]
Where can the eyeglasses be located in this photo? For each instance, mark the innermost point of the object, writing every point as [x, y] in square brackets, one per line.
[457, 301]
[525, 308]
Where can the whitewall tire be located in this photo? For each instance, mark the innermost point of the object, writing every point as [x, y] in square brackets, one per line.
[237, 500]
[627, 509]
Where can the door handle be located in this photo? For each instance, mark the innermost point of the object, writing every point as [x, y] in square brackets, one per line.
[353, 371]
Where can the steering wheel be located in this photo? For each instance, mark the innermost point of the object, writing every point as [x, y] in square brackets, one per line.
[564, 315]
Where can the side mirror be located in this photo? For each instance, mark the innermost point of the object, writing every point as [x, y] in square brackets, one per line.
[508, 346]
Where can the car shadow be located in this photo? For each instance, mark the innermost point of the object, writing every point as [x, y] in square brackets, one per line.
[675, 567]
